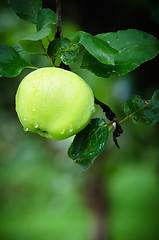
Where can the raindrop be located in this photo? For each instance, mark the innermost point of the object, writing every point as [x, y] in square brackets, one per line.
[71, 128]
[25, 119]
[33, 110]
[113, 71]
[62, 132]
[36, 126]
[26, 129]
[93, 109]
[108, 41]
[114, 124]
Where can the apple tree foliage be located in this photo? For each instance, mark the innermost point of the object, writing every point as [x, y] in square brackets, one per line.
[105, 54]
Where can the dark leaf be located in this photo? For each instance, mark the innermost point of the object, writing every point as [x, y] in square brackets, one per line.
[57, 45]
[144, 111]
[11, 63]
[45, 16]
[65, 50]
[71, 54]
[86, 163]
[134, 48]
[20, 50]
[89, 143]
[99, 69]
[32, 44]
[95, 46]
[26, 9]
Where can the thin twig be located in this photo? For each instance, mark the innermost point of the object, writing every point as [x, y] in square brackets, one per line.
[32, 67]
[47, 54]
[58, 34]
[129, 116]
[112, 117]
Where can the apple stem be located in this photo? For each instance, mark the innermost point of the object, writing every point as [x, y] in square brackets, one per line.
[112, 117]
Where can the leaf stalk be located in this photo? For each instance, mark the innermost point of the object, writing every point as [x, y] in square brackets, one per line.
[129, 116]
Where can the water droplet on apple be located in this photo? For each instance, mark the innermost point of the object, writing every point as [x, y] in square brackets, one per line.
[25, 119]
[26, 129]
[62, 132]
[33, 110]
[36, 126]
[71, 128]
[93, 109]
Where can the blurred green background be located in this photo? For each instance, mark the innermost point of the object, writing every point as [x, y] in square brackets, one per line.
[44, 195]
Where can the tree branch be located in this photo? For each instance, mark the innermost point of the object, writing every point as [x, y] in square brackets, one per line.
[58, 34]
[97, 201]
[112, 117]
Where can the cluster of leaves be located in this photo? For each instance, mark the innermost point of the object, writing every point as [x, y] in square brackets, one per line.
[90, 142]
[106, 54]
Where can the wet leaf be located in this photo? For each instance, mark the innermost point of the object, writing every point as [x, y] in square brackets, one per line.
[32, 44]
[144, 111]
[45, 16]
[26, 9]
[89, 143]
[99, 49]
[134, 48]
[11, 63]
[65, 50]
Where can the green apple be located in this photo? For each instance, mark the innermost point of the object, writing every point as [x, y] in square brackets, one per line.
[54, 103]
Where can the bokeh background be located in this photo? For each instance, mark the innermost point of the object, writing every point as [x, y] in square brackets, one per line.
[44, 195]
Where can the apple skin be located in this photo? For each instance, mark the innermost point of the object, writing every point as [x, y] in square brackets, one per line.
[54, 103]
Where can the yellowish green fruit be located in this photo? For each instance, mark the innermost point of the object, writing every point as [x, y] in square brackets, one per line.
[54, 102]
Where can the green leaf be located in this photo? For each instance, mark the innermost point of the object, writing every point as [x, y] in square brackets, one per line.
[11, 63]
[26, 9]
[93, 65]
[32, 44]
[89, 143]
[71, 54]
[57, 45]
[20, 50]
[95, 46]
[45, 16]
[144, 111]
[134, 48]
[65, 50]
[86, 163]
